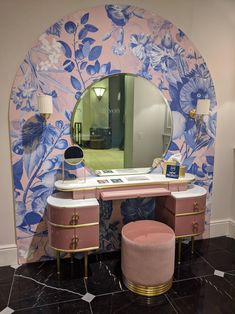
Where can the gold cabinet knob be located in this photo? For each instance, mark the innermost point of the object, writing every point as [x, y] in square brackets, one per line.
[195, 227]
[74, 219]
[74, 242]
[195, 206]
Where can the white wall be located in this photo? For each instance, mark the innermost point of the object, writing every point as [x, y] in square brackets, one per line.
[209, 23]
[217, 45]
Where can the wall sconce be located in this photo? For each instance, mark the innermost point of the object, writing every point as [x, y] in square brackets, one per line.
[45, 106]
[99, 91]
[203, 108]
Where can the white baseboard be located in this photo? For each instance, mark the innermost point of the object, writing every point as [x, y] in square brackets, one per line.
[222, 227]
[8, 254]
[232, 229]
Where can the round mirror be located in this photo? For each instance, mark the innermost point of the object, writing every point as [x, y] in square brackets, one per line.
[122, 121]
[73, 155]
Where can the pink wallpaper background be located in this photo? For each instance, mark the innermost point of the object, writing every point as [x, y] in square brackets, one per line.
[73, 53]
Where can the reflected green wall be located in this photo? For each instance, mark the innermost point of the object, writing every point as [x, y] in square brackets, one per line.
[129, 98]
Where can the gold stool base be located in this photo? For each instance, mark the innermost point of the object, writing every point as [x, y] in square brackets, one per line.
[148, 291]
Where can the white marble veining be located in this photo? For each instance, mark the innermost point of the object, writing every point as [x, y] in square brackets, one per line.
[49, 286]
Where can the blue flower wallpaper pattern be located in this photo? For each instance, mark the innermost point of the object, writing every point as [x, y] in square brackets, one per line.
[71, 55]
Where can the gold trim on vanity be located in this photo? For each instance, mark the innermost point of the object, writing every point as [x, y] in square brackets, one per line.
[75, 250]
[188, 235]
[191, 213]
[148, 291]
[74, 226]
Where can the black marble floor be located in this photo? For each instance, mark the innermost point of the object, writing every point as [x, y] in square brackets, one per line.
[203, 283]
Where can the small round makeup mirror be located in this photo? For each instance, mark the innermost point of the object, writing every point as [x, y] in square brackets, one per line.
[73, 156]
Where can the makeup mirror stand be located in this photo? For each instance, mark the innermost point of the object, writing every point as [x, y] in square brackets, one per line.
[73, 156]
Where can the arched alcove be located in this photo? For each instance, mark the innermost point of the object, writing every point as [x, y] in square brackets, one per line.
[63, 62]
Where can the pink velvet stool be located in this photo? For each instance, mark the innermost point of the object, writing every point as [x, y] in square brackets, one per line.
[148, 255]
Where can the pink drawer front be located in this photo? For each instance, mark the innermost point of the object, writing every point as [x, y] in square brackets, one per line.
[133, 193]
[73, 216]
[83, 194]
[73, 239]
[182, 225]
[186, 205]
[187, 225]
[119, 189]
[178, 187]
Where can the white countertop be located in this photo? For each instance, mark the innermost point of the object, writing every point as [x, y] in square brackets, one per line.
[192, 191]
[112, 181]
[64, 200]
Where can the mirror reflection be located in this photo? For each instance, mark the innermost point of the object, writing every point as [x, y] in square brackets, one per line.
[122, 121]
[73, 155]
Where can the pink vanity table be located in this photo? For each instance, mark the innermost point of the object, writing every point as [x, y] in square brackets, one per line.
[73, 213]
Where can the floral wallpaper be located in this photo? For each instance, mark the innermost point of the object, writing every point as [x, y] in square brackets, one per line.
[73, 53]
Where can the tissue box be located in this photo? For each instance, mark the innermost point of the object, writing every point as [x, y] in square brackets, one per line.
[166, 163]
[173, 163]
[182, 171]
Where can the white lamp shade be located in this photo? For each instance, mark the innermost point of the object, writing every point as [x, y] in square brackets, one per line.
[99, 91]
[203, 106]
[45, 104]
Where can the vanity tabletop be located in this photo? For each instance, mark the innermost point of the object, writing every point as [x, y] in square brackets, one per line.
[63, 200]
[192, 191]
[120, 181]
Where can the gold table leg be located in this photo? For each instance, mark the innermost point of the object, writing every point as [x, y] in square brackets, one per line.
[179, 250]
[192, 244]
[86, 264]
[58, 262]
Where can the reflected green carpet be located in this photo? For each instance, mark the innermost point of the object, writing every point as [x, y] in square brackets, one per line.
[104, 158]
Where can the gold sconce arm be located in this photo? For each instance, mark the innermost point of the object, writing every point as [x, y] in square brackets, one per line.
[193, 114]
[203, 108]
[45, 116]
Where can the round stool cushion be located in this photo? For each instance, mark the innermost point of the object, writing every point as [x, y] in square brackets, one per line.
[148, 252]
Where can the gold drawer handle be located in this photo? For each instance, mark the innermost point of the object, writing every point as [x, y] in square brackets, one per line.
[195, 206]
[74, 242]
[74, 219]
[195, 227]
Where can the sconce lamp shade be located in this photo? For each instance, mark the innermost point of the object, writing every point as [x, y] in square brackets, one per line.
[45, 105]
[99, 91]
[203, 106]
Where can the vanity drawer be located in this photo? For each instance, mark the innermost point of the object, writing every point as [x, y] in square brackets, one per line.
[188, 225]
[177, 187]
[183, 225]
[73, 239]
[122, 194]
[185, 205]
[73, 216]
[86, 193]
